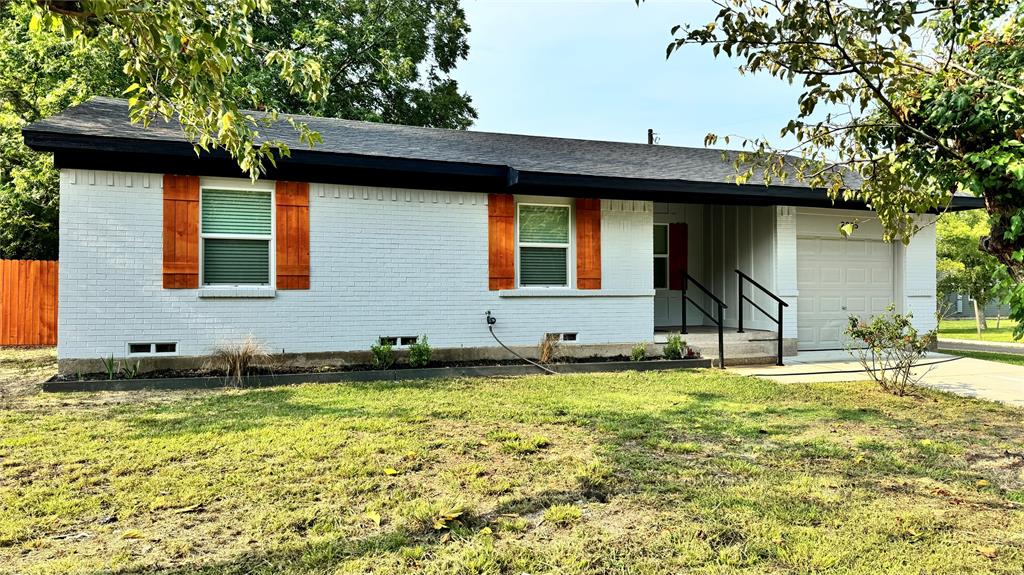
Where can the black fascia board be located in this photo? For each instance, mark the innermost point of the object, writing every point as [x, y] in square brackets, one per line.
[141, 155]
[687, 191]
[178, 157]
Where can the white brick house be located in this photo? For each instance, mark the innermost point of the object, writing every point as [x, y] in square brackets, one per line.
[402, 242]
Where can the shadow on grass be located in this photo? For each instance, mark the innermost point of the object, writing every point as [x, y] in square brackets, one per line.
[242, 412]
[680, 450]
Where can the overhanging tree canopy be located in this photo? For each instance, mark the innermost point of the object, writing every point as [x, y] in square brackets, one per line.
[206, 62]
[921, 100]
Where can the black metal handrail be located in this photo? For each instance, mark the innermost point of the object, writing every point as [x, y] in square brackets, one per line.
[687, 279]
[743, 298]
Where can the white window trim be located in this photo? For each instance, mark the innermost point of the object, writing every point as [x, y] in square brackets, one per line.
[570, 255]
[668, 249]
[152, 346]
[233, 185]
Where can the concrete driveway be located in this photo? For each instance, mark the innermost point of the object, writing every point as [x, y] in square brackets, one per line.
[975, 345]
[960, 375]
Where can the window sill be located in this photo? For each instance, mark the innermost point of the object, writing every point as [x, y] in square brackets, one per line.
[237, 292]
[567, 292]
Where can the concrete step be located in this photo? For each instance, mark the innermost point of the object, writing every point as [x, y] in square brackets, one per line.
[749, 348]
[737, 350]
[743, 360]
[711, 338]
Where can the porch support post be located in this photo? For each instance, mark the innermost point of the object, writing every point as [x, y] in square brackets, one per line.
[721, 338]
[778, 360]
[739, 303]
[682, 328]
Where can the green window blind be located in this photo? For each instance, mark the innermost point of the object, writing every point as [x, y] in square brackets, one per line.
[236, 262]
[543, 224]
[543, 266]
[236, 212]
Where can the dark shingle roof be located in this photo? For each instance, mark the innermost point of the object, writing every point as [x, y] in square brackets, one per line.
[108, 117]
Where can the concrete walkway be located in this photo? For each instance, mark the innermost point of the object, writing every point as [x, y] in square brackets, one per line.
[960, 375]
[978, 345]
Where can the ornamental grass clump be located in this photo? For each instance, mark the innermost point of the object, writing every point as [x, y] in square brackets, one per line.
[548, 350]
[888, 347]
[237, 359]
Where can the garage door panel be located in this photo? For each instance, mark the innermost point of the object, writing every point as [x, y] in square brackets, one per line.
[837, 278]
[829, 304]
[856, 305]
[856, 276]
[831, 336]
[853, 249]
[880, 304]
[809, 275]
[831, 276]
[807, 246]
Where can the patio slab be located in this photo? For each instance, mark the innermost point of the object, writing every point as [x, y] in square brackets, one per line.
[960, 375]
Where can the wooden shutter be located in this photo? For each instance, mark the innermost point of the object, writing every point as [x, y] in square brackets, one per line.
[292, 199]
[181, 232]
[588, 243]
[501, 237]
[678, 242]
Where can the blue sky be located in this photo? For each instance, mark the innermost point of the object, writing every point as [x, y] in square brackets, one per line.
[596, 69]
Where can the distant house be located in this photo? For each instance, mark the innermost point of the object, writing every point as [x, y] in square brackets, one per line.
[387, 231]
[962, 306]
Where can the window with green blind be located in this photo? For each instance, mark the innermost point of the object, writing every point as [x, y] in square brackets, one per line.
[236, 230]
[544, 241]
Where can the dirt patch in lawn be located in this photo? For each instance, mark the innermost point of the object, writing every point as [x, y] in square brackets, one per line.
[23, 371]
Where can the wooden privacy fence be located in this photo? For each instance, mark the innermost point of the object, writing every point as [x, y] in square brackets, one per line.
[28, 302]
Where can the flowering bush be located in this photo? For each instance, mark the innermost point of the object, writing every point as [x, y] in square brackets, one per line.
[889, 347]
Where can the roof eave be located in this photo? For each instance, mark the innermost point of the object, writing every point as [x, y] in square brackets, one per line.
[163, 156]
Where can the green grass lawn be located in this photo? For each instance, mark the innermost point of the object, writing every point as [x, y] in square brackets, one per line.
[967, 329]
[988, 356]
[696, 472]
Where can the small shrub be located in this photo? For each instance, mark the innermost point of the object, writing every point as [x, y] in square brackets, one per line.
[547, 351]
[383, 355]
[562, 515]
[675, 347]
[890, 347]
[236, 359]
[419, 353]
[639, 352]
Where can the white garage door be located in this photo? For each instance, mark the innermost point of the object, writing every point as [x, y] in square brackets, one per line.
[838, 278]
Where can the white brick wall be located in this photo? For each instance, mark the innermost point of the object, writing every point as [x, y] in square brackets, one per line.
[383, 262]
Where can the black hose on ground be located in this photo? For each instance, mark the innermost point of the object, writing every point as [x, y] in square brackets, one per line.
[490, 328]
